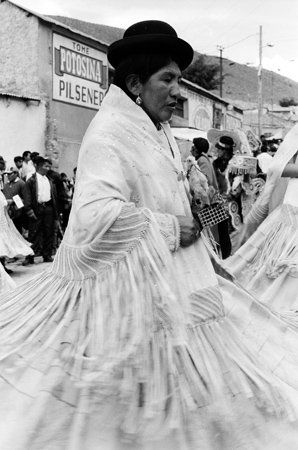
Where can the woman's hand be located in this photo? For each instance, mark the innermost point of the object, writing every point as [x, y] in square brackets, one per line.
[189, 230]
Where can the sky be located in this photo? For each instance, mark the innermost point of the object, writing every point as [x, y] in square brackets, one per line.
[205, 24]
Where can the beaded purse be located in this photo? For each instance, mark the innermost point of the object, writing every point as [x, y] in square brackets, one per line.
[212, 214]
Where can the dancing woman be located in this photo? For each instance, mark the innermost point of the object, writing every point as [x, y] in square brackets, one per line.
[12, 243]
[124, 343]
[267, 263]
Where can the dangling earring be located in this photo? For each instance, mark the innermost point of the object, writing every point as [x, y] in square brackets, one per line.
[139, 101]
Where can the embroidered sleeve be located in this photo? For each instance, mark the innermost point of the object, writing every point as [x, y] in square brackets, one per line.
[170, 230]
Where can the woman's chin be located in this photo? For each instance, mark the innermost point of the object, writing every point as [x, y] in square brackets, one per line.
[166, 116]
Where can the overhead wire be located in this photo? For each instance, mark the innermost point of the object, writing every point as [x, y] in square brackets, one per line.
[228, 10]
[237, 24]
[241, 40]
[203, 25]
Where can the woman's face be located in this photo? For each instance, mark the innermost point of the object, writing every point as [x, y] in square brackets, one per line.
[160, 93]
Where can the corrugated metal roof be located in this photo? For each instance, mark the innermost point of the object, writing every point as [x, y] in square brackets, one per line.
[22, 97]
[209, 94]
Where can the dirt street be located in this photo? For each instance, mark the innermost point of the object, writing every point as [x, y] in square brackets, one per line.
[23, 273]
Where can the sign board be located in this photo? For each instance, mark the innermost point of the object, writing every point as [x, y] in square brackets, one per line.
[80, 73]
[253, 141]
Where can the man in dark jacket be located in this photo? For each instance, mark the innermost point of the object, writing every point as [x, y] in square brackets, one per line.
[15, 186]
[41, 208]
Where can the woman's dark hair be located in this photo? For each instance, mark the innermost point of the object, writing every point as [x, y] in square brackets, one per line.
[142, 65]
[201, 145]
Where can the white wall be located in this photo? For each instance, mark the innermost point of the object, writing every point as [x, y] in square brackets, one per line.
[18, 55]
[22, 127]
[200, 109]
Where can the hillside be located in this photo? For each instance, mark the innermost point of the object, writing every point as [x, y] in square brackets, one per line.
[240, 81]
[103, 33]
[241, 84]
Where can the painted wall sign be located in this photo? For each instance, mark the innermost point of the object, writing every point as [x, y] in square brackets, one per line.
[80, 73]
[202, 119]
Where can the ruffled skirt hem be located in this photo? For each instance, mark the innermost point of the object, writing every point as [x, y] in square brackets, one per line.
[109, 360]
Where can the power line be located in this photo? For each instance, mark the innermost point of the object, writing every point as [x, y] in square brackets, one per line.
[237, 42]
[208, 9]
[237, 24]
[241, 40]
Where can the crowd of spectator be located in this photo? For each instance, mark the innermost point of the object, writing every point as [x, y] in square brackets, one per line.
[38, 202]
[265, 153]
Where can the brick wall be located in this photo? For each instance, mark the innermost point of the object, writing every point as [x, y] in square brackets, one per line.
[18, 51]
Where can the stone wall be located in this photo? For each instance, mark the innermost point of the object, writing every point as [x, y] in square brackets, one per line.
[18, 51]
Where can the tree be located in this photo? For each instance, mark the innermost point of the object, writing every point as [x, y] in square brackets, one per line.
[204, 74]
[288, 102]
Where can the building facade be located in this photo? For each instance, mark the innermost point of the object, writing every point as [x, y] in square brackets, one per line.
[52, 82]
[199, 108]
[276, 121]
[53, 78]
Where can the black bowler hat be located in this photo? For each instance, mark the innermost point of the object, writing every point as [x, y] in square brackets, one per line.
[151, 36]
[225, 142]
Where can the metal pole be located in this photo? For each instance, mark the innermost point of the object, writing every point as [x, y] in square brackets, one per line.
[260, 87]
[272, 96]
[220, 48]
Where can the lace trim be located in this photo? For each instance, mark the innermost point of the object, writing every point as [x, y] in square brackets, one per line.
[169, 229]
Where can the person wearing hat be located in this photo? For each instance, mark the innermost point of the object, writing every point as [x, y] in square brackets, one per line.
[123, 342]
[40, 203]
[221, 230]
[225, 148]
[266, 262]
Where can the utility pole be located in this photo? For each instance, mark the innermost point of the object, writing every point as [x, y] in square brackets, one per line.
[272, 96]
[260, 87]
[220, 48]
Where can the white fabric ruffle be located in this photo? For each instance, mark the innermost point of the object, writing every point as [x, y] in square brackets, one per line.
[12, 243]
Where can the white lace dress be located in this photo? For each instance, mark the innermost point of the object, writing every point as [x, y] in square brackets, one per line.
[12, 243]
[129, 341]
[267, 264]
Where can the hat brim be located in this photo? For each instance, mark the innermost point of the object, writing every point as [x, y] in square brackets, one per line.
[178, 49]
[213, 136]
